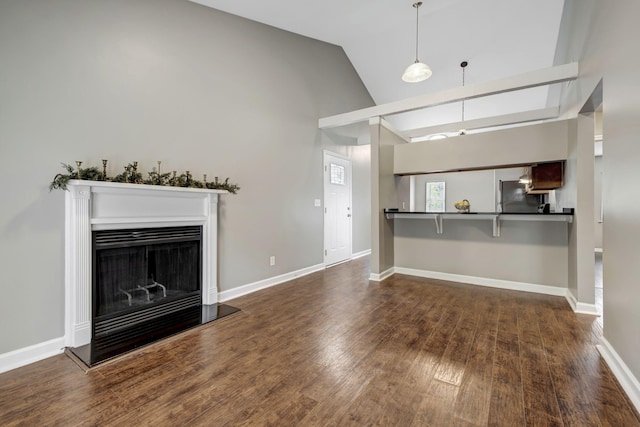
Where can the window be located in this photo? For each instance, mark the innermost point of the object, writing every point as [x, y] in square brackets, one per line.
[337, 174]
[435, 196]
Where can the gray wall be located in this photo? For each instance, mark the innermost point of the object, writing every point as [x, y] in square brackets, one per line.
[167, 80]
[481, 188]
[578, 193]
[387, 191]
[513, 146]
[600, 34]
[527, 251]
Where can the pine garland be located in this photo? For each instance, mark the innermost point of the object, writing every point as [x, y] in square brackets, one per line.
[132, 176]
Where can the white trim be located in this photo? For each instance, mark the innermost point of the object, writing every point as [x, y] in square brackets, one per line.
[597, 250]
[385, 274]
[581, 307]
[116, 187]
[267, 283]
[621, 371]
[543, 77]
[385, 124]
[34, 353]
[485, 281]
[361, 254]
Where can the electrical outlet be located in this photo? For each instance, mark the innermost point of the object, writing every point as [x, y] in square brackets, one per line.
[317, 203]
[272, 260]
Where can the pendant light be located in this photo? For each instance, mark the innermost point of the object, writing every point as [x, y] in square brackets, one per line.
[525, 178]
[417, 71]
[463, 65]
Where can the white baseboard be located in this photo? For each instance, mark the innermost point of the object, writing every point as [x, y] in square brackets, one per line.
[622, 372]
[267, 283]
[27, 355]
[485, 281]
[361, 254]
[598, 250]
[581, 307]
[380, 277]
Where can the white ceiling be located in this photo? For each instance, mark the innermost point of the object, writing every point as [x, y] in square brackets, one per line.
[499, 38]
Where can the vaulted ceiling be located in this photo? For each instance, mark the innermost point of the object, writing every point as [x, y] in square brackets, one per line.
[499, 38]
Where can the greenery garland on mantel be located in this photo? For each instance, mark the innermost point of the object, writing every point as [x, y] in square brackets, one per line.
[131, 175]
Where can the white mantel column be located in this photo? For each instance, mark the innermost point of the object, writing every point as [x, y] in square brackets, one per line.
[78, 265]
[210, 250]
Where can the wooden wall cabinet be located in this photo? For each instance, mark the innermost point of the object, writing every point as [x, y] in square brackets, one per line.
[547, 176]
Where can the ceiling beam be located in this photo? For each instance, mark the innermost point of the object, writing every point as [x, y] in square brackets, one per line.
[485, 122]
[546, 76]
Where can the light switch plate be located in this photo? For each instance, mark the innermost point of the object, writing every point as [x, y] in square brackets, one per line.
[317, 203]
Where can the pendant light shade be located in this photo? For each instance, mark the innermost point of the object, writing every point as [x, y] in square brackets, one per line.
[417, 71]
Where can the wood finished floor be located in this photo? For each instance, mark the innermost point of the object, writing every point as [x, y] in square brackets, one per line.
[334, 349]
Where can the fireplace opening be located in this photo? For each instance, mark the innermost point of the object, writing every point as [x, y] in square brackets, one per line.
[147, 285]
[139, 269]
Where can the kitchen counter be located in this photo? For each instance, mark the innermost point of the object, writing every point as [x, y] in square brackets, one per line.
[495, 217]
[397, 211]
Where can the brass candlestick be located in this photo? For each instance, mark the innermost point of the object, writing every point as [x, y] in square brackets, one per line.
[159, 172]
[205, 179]
[104, 169]
[135, 166]
[78, 164]
[173, 180]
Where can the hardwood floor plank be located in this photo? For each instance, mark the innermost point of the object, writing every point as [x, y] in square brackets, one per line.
[506, 405]
[472, 404]
[539, 392]
[566, 371]
[454, 360]
[334, 349]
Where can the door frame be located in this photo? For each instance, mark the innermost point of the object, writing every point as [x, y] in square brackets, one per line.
[325, 172]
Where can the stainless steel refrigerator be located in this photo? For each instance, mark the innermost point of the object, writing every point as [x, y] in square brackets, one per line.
[514, 198]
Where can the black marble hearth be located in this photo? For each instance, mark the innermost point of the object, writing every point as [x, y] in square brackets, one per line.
[124, 340]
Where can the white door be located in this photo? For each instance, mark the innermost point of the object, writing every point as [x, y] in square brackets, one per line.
[337, 208]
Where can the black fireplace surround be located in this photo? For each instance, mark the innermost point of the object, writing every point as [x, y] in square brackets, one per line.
[147, 285]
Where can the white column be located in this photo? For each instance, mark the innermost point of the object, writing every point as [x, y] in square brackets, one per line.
[78, 266]
[210, 251]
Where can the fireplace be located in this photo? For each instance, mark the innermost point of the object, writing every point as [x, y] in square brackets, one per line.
[140, 265]
[146, 283]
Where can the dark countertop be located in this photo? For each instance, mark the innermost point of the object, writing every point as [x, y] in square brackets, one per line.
[396, 211]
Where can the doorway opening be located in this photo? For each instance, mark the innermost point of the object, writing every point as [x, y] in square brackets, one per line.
[337, 208]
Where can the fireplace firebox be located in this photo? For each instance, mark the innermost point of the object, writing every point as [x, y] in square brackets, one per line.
[146, 285]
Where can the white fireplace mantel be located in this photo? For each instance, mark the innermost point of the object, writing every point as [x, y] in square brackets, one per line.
[97, 205]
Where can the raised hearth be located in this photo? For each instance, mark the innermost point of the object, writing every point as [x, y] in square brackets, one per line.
[148, 332]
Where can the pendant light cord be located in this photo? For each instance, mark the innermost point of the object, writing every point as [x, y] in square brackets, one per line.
[463, 65]
[417, 6]
[463, 99]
